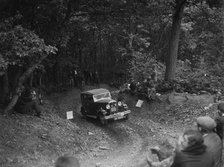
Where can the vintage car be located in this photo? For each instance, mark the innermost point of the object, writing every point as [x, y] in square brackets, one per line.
[98, 104]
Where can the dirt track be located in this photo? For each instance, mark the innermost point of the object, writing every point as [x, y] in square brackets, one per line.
[28, 141]
[120, 143]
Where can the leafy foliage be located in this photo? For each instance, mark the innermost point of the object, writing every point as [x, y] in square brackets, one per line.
[22, 47]
[114, 37]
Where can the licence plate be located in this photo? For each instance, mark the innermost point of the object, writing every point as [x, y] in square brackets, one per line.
[121, 114]
[118, 118]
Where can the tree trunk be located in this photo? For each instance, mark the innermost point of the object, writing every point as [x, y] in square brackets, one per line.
[174, 40]
[14, 75]
[31, 80]
[40, 80]
[5, 87]
[80, 55]
[19, 87]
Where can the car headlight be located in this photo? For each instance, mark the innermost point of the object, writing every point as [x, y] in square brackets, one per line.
[119, 103]
[108, 106]
[104, 112]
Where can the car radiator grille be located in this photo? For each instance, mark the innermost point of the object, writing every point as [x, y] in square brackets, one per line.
[113, 108]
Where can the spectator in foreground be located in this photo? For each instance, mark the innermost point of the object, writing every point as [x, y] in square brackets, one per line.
[220, 121]
[190, 152]
[220, 124]
[65, 161]
[206, 126]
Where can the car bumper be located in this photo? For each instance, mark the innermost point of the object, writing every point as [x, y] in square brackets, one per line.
[119, 115]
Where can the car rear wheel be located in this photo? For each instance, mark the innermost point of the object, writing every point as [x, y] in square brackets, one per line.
[102, 120]
[83, 112]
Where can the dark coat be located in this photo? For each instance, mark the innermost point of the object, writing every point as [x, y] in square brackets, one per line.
[194, 156]
[214, 147]
[26, 104]
[219, 127]
[133, 86]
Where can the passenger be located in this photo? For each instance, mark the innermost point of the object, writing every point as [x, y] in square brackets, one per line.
[66, 161]
[190, 152]
[206, 126]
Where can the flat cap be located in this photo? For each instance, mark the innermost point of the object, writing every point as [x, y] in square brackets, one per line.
[206, 122]
[221, 107]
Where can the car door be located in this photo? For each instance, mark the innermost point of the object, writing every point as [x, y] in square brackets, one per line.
[84, 99]
[89, 103]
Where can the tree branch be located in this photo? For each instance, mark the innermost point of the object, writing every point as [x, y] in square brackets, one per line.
[19, 87]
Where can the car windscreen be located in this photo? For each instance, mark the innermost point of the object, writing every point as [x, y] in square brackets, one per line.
[101, 96]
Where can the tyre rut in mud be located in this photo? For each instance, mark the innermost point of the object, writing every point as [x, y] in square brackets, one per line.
[127, 139]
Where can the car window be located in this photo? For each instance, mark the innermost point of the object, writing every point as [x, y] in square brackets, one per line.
[87, 98]
[101, 96]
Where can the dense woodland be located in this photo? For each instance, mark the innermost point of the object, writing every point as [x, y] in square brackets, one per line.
[42, 41]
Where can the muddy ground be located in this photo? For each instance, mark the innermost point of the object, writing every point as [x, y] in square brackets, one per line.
[28, 141]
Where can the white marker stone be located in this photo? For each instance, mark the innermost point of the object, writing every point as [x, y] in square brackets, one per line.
[139, 103]
[69, 114]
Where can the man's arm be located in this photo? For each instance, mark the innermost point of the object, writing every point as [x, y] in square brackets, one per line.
[168, 162]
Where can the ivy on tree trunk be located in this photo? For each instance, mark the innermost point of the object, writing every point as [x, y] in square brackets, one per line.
[19, 87]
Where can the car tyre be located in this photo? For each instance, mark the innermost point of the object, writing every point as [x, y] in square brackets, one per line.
[126, 117]
[102, 120]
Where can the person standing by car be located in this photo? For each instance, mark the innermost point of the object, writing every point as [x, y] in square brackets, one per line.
[154, 74]
[80, 79]
[151, 91]
[86, 75]
[206, 126]
[71, 80]
[96, 79]
[75, 77]
[133, 86]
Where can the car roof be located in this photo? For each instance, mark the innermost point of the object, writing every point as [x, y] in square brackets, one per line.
[96, 91]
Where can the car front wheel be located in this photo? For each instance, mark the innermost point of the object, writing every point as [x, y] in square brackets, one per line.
[126, 117]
